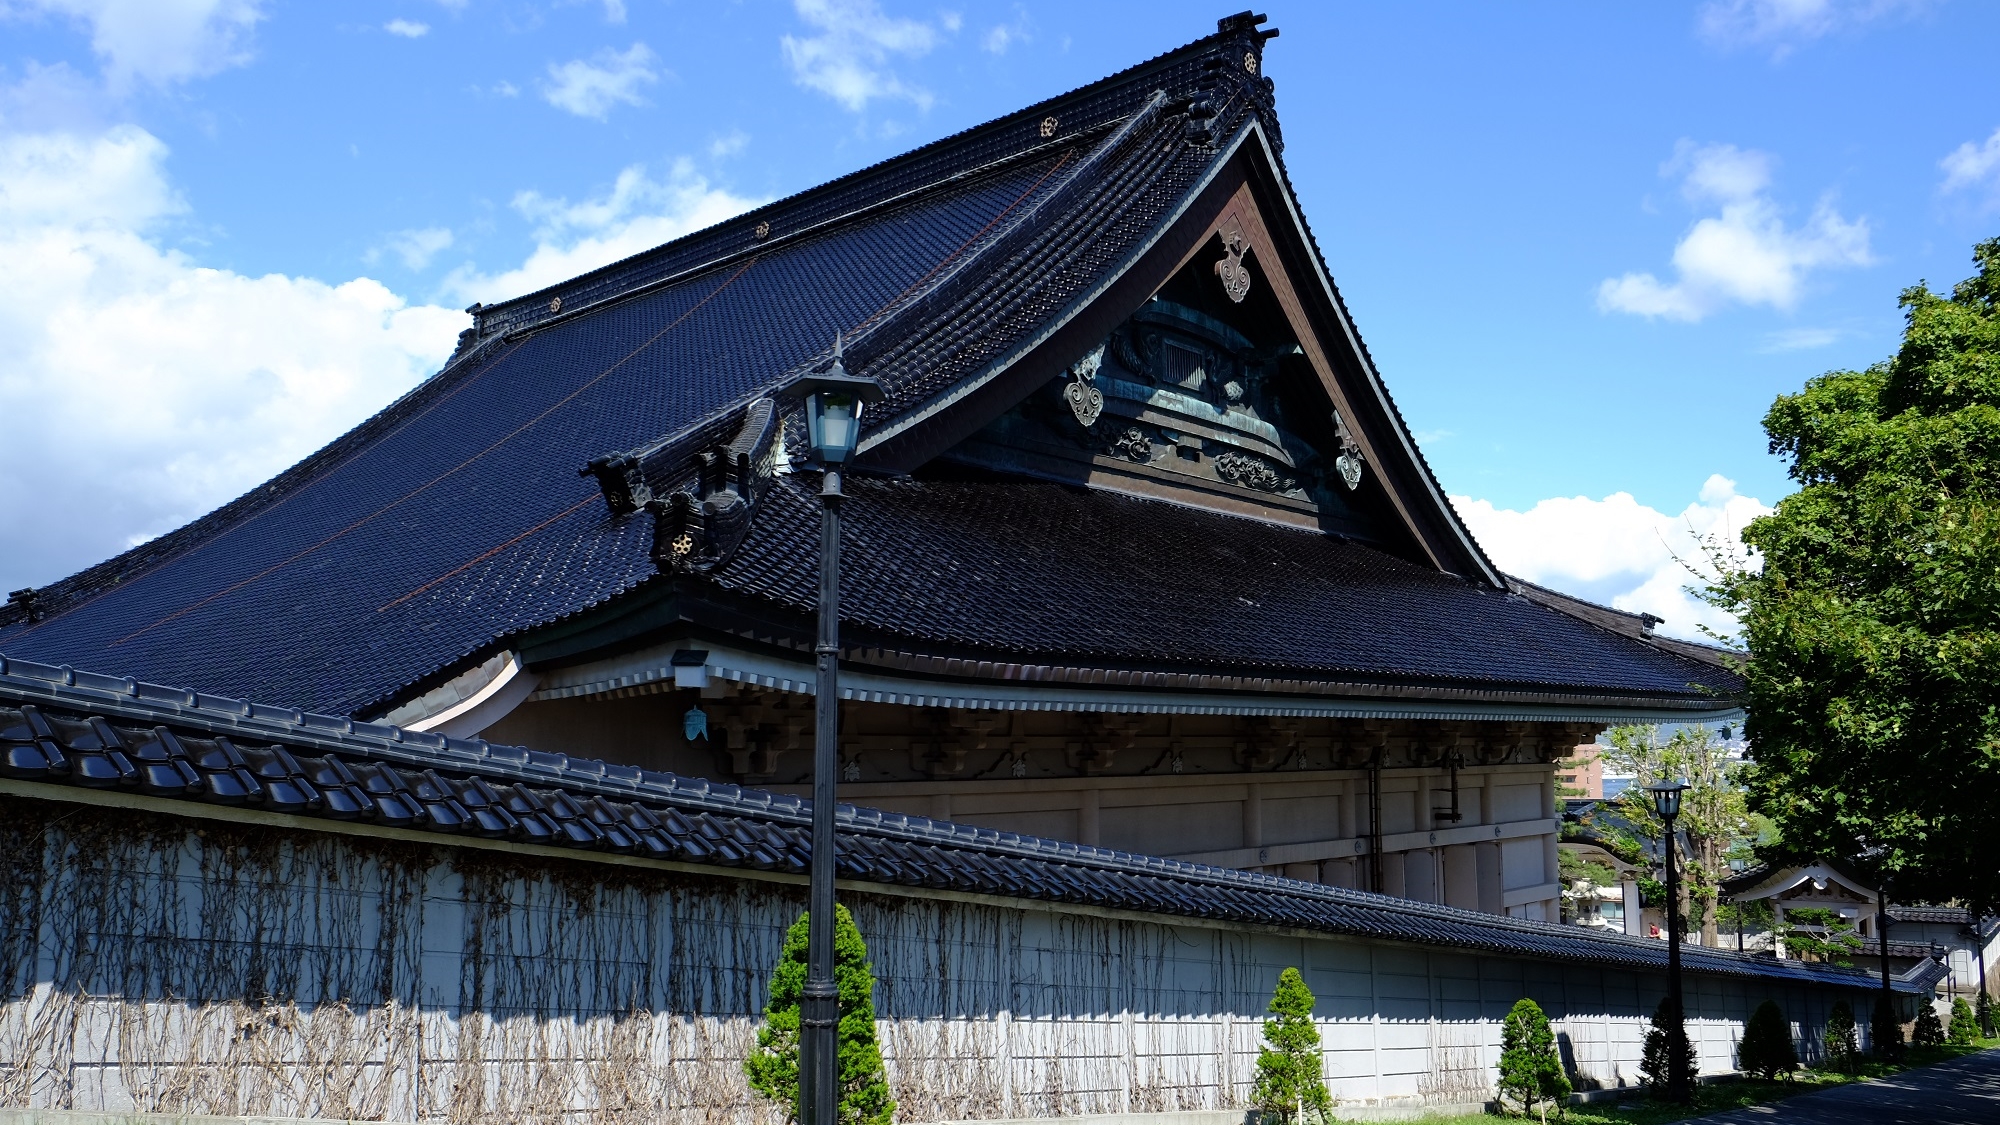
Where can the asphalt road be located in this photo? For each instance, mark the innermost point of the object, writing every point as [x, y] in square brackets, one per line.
[1964, 1091]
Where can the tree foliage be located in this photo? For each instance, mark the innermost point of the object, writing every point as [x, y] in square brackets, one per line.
[1871, 603]
[1531, 1070]
[773, 1068]
[1666, 1047]
[1767, 1051]
[1843, 1045]
[1929, 1030]
[1819, 933]
[1982, 1011]
[1964, 1029]
[1714, 813]
[1291, 1082]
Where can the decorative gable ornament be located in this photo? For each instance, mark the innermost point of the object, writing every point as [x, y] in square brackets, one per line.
[1349, 465]
[1085, 400]
[1234, 274]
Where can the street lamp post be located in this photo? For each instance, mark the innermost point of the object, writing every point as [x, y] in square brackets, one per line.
[833, 403]
[1887, 1004]
[1667, 802]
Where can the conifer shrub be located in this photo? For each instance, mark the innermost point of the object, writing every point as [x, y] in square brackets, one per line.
[1886, 1030]
[1531, 1072]
[1964, 1029]
[1929, 1031]
[1666, 1045]
[1290, 1074]
[1766, 1051]
[1982, 1010]
[1843, 1046]
[773, 1068]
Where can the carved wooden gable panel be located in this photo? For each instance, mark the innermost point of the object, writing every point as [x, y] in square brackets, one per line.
[1203, 395]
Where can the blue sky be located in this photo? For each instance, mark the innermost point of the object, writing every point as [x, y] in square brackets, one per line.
[1587, 244]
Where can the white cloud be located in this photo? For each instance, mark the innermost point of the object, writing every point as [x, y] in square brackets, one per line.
[608, 79]
[1002, 36]
[614, 11]
[1745, 254]
[848, 60]
[1971, 167]
[1783, 25]
[408, 29]
[721, 148]
[158, 388]
[1801, 339]
[1617, 551]
[161, 41]
[638, 213]
[416, 248]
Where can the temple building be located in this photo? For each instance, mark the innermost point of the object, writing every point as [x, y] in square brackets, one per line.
[456, 774]
[1140, 553]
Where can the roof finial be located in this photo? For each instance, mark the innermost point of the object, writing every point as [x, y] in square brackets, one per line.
[838, 368]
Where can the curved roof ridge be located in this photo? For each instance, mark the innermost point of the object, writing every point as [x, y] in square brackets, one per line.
[995, 143]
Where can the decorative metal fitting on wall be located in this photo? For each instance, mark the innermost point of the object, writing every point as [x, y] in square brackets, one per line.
[1349, 463]
[555, 304]
[763, 231]
[1234, 274]
[1250, 61]
[1085, 400]
[1048, 126]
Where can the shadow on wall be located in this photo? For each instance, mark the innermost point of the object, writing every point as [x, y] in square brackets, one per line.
[258, 971]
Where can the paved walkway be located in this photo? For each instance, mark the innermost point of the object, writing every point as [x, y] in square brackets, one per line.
[1964, 1091]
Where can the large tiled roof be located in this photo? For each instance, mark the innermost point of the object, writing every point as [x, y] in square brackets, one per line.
[466, 492]
[455, 523]
[1065, 573]
[77, 729]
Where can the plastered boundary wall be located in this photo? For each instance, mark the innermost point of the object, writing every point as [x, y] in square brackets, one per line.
[261, 966]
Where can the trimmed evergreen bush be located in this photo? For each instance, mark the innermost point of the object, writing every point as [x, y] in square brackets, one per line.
[1843, 1047]
[1290, 1074]
[1766, 1051]
[1530, 1069]
[1964, 1029]
[1886, 1030]
[1666, 1044]
[1929, 1031]
[773, 1068]
[1982, 1010]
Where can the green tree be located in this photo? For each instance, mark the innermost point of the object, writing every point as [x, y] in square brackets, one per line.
[1818, 933]
[1964, 1029]
[1930, 1030]
[1530, 1069]
[1290, 1073]
[1714, 812]
[1766, 1050]
[1581, 879]
[1871, 598]
[1886, 1029]
[1665, 1047]
[773, 1068]
[1843, 1046]
[1982, 1010]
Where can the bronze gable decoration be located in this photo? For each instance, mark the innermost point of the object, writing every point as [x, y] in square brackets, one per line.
[1234, 274]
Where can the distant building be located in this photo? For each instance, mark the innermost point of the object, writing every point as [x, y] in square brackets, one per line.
[1582, 773]
[1968, 946]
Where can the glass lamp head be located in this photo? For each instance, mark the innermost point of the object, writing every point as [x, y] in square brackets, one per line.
[833, 401]
[1667, 797]
[833, 421]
